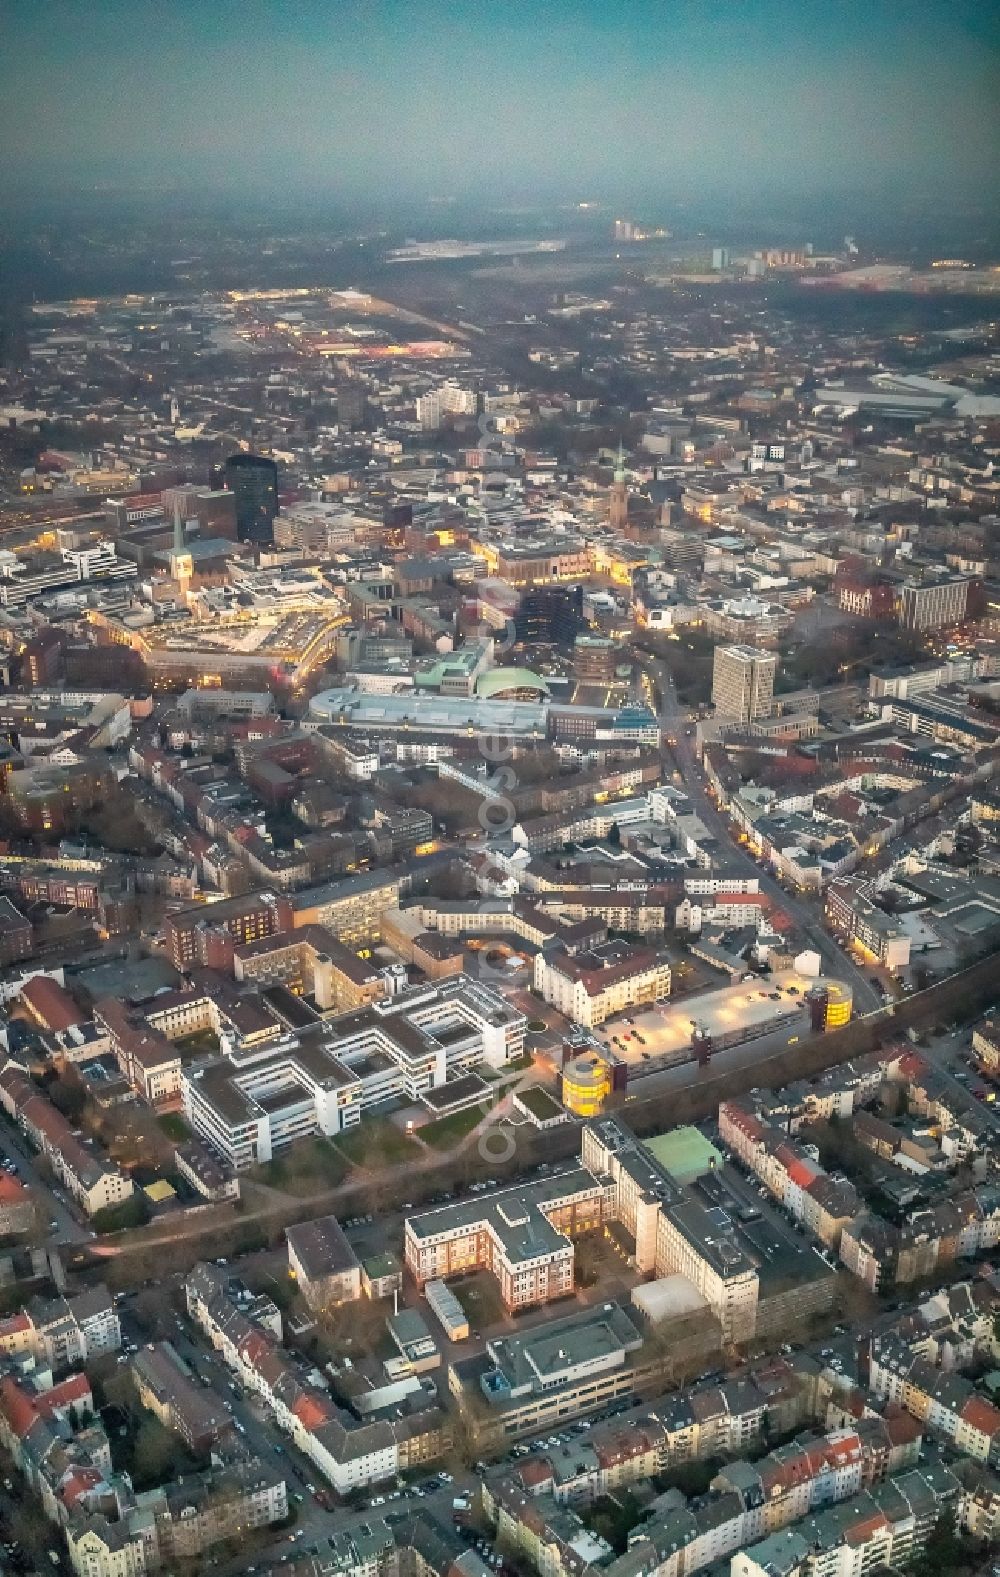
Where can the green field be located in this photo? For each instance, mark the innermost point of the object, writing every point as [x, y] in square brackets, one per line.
[376, 1142]
[480, 1297]
[307, 1168]
[174, 1126]
[448, 1131]
[203, 1043]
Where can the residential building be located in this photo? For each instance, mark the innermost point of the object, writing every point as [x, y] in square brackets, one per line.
[163, 1386]
[322, 1263]
[850, 909]
[349, 1451]
[743, 682]
[93, 1182]
[590, 986]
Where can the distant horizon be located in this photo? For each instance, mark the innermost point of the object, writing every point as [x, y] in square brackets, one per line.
[879, 220]
[383, 102]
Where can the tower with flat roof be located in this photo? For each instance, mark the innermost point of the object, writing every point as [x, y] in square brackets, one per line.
[253, 481]
[743, 682]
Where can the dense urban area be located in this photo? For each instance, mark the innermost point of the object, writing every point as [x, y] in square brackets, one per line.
[499, 907]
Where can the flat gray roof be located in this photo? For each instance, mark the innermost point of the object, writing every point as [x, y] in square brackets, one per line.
[514, 1214]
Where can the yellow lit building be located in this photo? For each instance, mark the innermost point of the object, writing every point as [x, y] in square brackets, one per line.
[586, 1085]
[839, 1002]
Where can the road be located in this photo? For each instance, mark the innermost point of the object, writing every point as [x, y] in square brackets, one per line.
[260, 1433]
[14, 1145]
[313, 1523]
[942, 1053]
[672, 720]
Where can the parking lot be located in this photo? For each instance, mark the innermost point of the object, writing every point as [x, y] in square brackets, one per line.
[664, 1032]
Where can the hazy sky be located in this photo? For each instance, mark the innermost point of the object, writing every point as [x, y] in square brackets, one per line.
[452, 97]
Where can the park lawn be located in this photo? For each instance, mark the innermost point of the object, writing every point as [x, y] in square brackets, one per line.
[376, 1142]
[174, 1126]
[307, 1168]
[449, 1131]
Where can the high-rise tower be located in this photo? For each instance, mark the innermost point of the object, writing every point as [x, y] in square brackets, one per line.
[743, 682]
[181, 561]
[253, 481]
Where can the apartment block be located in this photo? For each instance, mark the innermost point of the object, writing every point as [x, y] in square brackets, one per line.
[743, 682]
[208, 935]
[850, 909]
[349, 1451]
[312, 962]
[322, 1263]
[822, 1205]
[94, 1182]
[590, 986]
[193, 1413]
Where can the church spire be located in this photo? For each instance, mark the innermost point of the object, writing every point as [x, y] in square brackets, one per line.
[618, 497]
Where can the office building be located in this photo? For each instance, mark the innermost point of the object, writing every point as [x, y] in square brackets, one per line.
[743, 682]
[595, 658]
[933, 604]
[253, 481]
[266, 1092]
[550, 615]
[675, 1232]
[522, 1235]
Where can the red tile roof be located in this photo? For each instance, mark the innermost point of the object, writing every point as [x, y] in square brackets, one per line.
[12, 1190]
[980, 1414]
[535, 1472]
[802, 1172]
[17, 1407]
[254, 1347]
[75, 1388]
[861, 1532]
[311, 1412]
[80, 1482]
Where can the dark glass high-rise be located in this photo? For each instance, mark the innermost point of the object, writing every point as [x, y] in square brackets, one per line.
[253, 481]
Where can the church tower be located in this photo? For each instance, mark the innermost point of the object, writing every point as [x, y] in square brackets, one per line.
[618, 499]
[181, 562]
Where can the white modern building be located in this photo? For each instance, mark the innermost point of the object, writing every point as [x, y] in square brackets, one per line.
[257, 1099]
